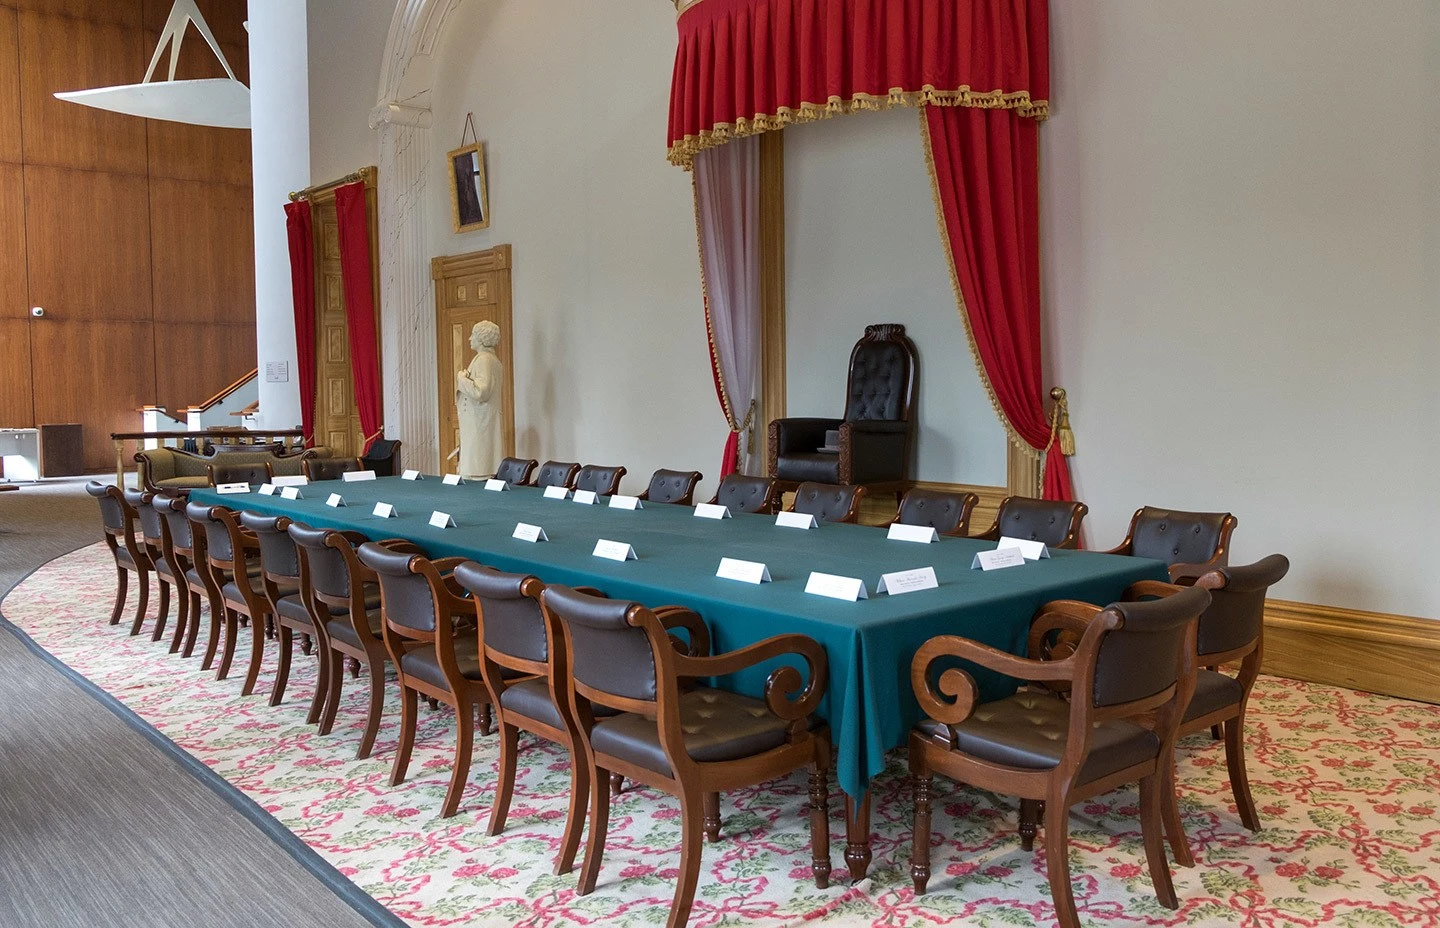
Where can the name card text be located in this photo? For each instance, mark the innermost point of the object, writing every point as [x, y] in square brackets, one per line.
[527, 532]
[998, 559]
[614, 550]
[744, 571]
[907, 581]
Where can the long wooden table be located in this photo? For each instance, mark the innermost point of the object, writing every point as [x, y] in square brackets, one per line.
[869, 702]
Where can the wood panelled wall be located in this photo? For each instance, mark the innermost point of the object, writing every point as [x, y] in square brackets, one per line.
[135, 235]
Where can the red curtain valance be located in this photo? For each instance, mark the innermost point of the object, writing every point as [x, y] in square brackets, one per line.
[750, 66]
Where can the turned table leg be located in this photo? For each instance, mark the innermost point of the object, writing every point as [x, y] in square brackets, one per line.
[857, 835]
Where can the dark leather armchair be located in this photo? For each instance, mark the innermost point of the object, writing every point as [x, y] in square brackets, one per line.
[740, 493]
[556, 474]
[947, 513]
[188, 551]
[515, 471]
[329, 468]
[1055, 522]
[828, 503]
[1131, 675]
[876, 435]
[672, 486]
[1188, 541]
[118, 520]
[383, 457]
[602, 479]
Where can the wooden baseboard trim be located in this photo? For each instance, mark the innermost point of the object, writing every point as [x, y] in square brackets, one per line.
[1395, 655]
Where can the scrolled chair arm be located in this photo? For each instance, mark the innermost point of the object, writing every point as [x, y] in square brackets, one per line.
[1188, 574]
[1149, 589]
[401, 545]
[782, 682]
[960, 687]
[1063, 616]
[673, 617]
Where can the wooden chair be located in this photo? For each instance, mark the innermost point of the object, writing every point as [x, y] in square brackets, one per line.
[436, 651]
[947, 513]
[556, 474]
[1232, 629]
[516, 471]
[672, 486]
[153, 532]
[1134, 664]
[118, 523]
[187, 548]
[690, 741]
[603, 480]
[1056, 523]
[281, 584]
[828, 502]
[254, 473]
[232, 557]
[329, 468]
[740, 493]
[342, 597]
[1190, 542]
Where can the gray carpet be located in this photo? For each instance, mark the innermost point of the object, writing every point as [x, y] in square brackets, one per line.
[100, 824]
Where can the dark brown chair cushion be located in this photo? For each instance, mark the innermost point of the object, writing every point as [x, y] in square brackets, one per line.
[423, 664]
[717, 726]
[1029, 730]
[1177, 537]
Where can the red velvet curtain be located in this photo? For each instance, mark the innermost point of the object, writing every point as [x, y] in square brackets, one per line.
[985, 166]
[747, 66]
[357, 279]
[301, 233]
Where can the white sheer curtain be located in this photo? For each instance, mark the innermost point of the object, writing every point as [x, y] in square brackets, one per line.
[727, 211]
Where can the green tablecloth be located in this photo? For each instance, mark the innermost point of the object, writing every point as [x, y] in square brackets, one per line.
[869, 704]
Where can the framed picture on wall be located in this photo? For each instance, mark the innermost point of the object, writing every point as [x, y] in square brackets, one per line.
[469, 200]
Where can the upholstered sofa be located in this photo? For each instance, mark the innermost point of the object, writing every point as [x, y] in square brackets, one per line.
[172, 469]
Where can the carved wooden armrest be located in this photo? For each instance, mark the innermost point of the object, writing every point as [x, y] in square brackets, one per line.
[960, 687]
[1067, 617]
[782, 682]
[1192, 574]
[401, 545]
[673, 617]
[1141, 589]
[590, 591]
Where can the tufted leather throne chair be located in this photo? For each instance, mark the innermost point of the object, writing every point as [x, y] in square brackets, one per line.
[877, 433]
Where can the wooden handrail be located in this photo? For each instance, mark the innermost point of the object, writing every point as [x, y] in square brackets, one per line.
[222, 435]
[226, 392]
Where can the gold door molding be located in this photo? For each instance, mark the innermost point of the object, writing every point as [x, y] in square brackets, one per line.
[471, 288]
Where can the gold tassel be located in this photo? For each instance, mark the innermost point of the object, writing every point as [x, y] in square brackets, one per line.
[1060, 423]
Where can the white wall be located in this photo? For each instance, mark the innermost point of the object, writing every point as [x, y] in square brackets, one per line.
[347, 41]
[862, 246]
[1240, 224]
[280, 152]
[610, 353]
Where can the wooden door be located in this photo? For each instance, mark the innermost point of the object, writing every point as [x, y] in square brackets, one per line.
[337, 421]
[471, 288]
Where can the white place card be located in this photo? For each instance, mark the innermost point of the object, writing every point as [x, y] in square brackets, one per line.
[712, 511]
[384, 511]
[355, 476]
[267, 489]
[452, 480]
[744, 571]
[290, 493]
[226, 489]
[1033, 550]
[836, 587]
[527, 532]
[557, 493]
[586, 497]
[614, 550]
[795, 520]
[907, 581]
[335, 501]
[626, 502]
[998, 559]
[496, 485]
[923, 534]
[440, 519]
[412, 475]
[295, 480]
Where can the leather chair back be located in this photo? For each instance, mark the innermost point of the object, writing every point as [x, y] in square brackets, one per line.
[605, 481]
[406, 596]
[882, 375]
[151, 522]
[173, 510]
[383, 457]
[609, 654]
[828, 502]
[740, 493]
[515, 471]
[329, 468]
[112, 505]
[258, 472]
[511, 621]
[278, 556]
[1237, 610]
[947, 513]
[556, 474]
[673, 486]
[329, 571]
[217, 535]
[1145, 654]
[1177, 537]
[1056, 523]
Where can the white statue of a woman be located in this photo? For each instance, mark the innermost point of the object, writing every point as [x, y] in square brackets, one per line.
[479, 394]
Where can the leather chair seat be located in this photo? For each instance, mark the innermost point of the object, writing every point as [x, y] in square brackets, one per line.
[423, 663]
[231, 593]
[531, 698]
[816, 467]
[1213, 690]
[1028, 731]
[163, 567]
[717, 726]
[122, 555]
[341, 630]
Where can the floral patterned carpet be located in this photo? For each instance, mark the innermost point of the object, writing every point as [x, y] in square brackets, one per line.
[1346, 784]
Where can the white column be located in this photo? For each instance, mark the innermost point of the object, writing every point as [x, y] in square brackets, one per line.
[280, 154]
